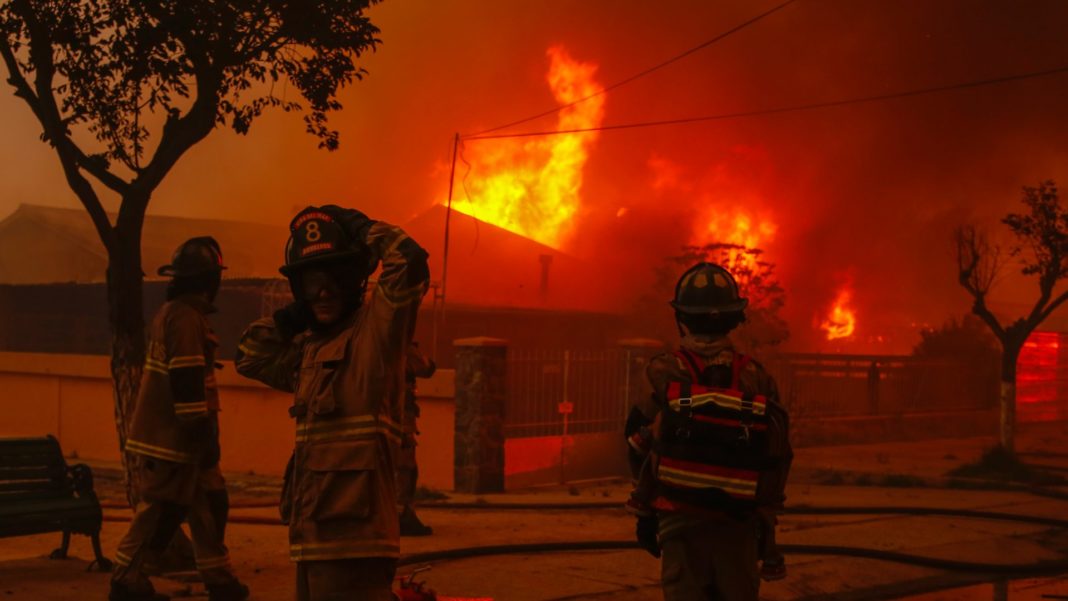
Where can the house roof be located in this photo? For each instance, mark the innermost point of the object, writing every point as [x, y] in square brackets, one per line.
[41, 244]
[491, 266]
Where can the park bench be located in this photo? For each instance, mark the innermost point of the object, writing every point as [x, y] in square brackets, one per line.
[40, 493]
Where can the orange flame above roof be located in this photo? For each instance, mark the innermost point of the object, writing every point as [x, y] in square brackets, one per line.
[531, 186]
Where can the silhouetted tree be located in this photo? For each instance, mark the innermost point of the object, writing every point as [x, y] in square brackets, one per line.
[124, 88]
[1041, 245]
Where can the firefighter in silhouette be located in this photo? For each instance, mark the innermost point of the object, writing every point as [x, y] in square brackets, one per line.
[343, 357]
[418, 366]
[173, 440]
[710, 452]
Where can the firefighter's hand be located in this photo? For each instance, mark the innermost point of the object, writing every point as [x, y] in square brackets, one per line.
[291, 320]
[355, 222]
[646, 531]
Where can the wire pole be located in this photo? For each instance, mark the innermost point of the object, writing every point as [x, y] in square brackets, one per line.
[445, 252]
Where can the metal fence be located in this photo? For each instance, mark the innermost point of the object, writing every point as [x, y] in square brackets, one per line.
[557, 392]
[853, 385]
[554, 392]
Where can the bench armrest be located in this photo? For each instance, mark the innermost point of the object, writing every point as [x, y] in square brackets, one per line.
[81, 476]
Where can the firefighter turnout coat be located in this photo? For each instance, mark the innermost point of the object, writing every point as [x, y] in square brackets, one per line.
[340, 499]
[178, 390]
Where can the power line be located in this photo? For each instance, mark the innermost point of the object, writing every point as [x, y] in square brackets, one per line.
[637, 75]
[789, 109]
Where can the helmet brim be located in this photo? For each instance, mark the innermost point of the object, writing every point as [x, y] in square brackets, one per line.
[296, 267]
[734, 307]
[170, 271]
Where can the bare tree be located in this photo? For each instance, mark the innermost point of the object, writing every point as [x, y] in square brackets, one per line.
[1041, 245]
[124, 88]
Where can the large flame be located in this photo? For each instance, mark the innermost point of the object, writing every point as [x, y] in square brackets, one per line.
[531, 186]
[841, 321]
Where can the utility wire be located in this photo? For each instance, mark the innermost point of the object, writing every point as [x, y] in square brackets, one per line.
[789, 109]
[639, 74]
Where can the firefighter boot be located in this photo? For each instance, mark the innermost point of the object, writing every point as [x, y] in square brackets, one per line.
[410, 525]
[230, 591]
[121, 592]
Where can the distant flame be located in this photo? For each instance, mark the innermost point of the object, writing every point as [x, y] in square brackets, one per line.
[841, 322]
[531, 186]
[738, 228]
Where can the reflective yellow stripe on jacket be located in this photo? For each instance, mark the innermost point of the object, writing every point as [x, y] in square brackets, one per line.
[349, 428]
[143, 448]
[341, 549]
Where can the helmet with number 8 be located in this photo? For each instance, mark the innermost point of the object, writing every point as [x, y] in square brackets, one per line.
[316, 237]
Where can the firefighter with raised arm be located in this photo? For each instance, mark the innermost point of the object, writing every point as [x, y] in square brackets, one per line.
[343, 357]
[710, 452]
[173, 440]
[418, 366]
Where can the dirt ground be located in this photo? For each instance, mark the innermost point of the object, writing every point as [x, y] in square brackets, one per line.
[823, 477]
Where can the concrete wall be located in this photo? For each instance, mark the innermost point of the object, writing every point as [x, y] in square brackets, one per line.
[70, 397]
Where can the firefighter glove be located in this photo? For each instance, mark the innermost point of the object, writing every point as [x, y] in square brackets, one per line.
[646, 531]
[291, 320]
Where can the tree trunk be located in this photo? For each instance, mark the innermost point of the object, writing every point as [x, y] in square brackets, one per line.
[126, 315]
[1007, 426]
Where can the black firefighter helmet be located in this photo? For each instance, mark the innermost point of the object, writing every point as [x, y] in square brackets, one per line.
[708, 289]
[195, 256]
[315, 237]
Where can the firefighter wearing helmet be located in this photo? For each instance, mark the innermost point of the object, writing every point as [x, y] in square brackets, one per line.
[710, 452]
[173, 442]
[343, 357]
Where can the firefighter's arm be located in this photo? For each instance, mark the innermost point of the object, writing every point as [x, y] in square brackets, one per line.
[185, 337]
[403, 281]
[780, 449]
[269, 356]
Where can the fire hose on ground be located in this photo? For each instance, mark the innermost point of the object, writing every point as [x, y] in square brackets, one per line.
[1047, 567]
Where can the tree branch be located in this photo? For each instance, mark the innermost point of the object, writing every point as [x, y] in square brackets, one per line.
[1057, 302]
[81, 187]
[44, 105]
[180, 133]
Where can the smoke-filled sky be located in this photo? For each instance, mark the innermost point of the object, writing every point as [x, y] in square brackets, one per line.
[864, 194]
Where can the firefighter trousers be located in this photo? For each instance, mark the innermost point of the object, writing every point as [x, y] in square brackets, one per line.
[367, 579]
[172, 493]
[710, 559]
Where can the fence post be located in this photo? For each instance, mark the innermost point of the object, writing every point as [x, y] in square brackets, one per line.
[637, 352]
[481, 387]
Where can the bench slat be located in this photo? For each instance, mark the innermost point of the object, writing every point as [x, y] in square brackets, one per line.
[28, 459]
[31, 473]
[34, 485]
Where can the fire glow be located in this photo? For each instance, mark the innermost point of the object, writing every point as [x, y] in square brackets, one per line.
[531, 186]
[841, 322]
[739, 229]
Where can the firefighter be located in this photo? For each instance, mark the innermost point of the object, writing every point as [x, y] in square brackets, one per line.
[418, 366]
[343, 357]
[710, 452]
[173, 441]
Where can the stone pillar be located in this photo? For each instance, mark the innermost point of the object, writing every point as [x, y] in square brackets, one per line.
[481, 387]
[638, 352]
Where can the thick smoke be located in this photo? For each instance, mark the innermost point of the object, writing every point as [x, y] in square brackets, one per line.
[867, 193]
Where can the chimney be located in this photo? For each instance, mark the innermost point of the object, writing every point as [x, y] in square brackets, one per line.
[546, 261]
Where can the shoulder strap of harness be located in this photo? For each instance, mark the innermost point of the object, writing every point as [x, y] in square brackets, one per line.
[740, 362]
[692, 362]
